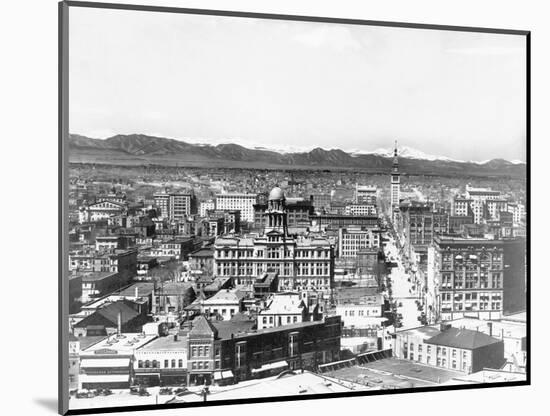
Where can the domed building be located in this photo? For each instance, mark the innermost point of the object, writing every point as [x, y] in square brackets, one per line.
[303, 263]
[277, 216]
[276, 194]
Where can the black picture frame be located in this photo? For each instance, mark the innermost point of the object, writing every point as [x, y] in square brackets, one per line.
[63, 123]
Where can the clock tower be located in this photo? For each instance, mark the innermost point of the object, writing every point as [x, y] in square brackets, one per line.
[395, 184]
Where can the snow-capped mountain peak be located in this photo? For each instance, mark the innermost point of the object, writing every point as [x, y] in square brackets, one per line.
[407, 152]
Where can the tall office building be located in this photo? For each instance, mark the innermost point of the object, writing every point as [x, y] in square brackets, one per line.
[175, 206]
[242, 202]
[479, 277]
[365, 194]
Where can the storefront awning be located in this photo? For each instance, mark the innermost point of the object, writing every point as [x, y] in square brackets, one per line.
[219, 375]
[105, 362]
[104, 378]
[271, 366]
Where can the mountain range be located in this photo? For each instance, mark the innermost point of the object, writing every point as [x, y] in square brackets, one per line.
[140, 149]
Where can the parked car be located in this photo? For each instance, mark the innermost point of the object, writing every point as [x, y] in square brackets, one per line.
[134, 390]
[143, 392]
[84, 394]
[182, 391]
[104, 392]
[165, 390]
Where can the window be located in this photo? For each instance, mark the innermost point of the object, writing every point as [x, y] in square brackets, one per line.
[173, 363]
[264, 320]
[165, 363]
[194, 365]
[140, 364]
[147, 363]
[180, 363]
[155, 364]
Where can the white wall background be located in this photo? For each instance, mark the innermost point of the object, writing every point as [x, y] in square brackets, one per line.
[29, 194]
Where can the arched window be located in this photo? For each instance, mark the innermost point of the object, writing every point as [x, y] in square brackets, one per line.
[147, 363]
[173, 363]
[180, 363]
[140, 364]
[155, 364]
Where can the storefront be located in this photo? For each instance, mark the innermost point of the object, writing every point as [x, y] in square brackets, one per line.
[271, 369]
[110, 373]
[224, 378]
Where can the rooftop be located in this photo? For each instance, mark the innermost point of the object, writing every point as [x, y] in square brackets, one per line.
[167, 343]
[240, 324]
[502, 328]
[124, 343]
[225, 295]
[288, 384]
[395, 373]
[422, 331]
[95, 276]
[284, 303]
[462, 338]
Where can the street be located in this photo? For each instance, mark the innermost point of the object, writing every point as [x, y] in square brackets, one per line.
[402, 292]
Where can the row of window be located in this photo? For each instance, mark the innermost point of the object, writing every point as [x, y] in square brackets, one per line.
[429, 348]
[156, 364]
[440, 362]
[288, 319]
[200, 351]
[361, 312]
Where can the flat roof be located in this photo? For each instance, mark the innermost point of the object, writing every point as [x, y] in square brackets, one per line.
[421, 331]
[125, 343]
[393, 372]
[167, 343]
[290, 384]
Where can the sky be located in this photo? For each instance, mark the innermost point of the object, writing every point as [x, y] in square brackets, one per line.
[296, 85]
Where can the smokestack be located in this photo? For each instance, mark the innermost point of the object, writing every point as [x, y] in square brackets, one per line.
[119, 324]
[136, 292]
[490, 325]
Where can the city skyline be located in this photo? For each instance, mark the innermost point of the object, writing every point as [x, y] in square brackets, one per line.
[284, 87]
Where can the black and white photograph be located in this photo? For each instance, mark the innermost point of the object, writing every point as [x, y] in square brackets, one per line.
[267, 207]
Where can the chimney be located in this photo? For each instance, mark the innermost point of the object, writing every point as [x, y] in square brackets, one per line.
[490, 326]
[136, 292]
[119, 323]
[444, 326]
[175, 337]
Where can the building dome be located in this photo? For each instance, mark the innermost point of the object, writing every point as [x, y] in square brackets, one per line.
[276, 194]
